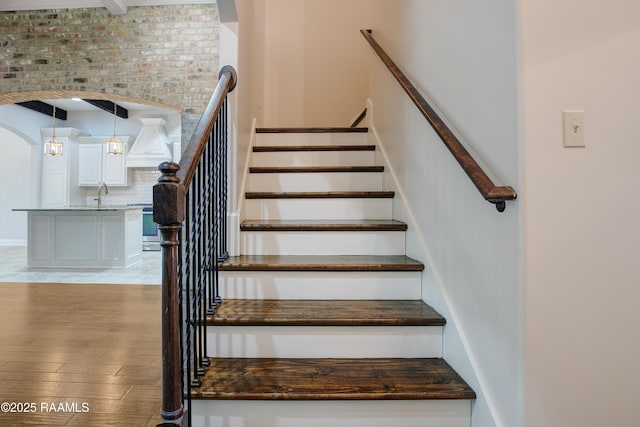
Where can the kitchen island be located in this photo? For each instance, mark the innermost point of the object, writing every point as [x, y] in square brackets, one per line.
[84, 237]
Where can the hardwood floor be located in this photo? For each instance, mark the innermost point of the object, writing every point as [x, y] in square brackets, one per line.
[92, 347]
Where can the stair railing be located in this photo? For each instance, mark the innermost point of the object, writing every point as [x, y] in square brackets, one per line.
[190, 207]
[497, 195]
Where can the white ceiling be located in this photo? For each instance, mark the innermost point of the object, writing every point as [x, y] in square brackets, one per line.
[115, 6]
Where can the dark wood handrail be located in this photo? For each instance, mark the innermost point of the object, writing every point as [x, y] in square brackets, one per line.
[492, 193]
[227, 81]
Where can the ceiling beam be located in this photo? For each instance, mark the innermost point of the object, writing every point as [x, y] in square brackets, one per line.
[108, 106]
[44, 108]
[116, 7]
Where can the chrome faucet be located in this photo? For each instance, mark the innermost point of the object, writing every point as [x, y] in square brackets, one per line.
[106, 191]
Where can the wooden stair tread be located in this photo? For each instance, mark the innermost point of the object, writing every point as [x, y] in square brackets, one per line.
[331, 379]
[249, 312]
[320, 195]
[321, 263]
[313, 130]
[316, 169]
[323, 225]
[288, 148]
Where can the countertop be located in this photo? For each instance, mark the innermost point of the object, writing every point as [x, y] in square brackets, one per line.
[80, 209]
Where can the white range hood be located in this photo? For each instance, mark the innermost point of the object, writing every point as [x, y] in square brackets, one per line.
[151, 146]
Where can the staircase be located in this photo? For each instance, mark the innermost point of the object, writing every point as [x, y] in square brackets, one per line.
[323, 322]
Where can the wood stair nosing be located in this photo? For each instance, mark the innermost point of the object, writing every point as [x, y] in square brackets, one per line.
[250, 312]
[320, 263]
[331, 379]
[320, 195]
[296, 148]
[313, 130]
[323, 225]
[315, 169]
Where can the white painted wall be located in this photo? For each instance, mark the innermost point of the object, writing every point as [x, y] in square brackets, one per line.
[315, 65]
[464, 55]
[581, 213]
[20, 128]
[249, 39]
[20, 188]
[242, 47]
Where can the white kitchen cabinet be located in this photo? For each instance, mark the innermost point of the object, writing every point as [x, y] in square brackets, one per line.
[60, 173]
[89, 164]
[96, 166]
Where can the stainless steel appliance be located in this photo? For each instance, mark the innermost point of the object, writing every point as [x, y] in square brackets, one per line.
[150, 232]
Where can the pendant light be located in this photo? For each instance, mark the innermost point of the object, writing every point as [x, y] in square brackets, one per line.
[53, 147]
[114, 144]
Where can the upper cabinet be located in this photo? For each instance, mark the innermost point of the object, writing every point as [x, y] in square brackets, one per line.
[89, 164]
[96, 166]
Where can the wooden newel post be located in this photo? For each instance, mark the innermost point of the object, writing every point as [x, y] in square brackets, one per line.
[168, 212]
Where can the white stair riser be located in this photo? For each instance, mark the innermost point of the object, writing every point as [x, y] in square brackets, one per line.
[301, 182]
[376, 413]
[323, 243]
[324, 341]
[314, 158]
[323, 285]
[282, 139]
[329, 209]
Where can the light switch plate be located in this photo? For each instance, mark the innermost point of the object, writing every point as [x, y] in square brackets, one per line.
[573, 124]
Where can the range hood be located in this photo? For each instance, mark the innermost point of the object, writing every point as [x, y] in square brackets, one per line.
[151, 145]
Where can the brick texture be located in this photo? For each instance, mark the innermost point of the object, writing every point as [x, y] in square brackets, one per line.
[159, 55]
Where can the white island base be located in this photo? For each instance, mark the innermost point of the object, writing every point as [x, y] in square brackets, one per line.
[84, 237]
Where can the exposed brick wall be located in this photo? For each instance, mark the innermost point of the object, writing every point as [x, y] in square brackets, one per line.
[154, 54]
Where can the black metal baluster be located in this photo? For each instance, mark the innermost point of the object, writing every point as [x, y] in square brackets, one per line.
[210, 223]
[183, 297]
[203, 259]
[188, 294]
[201, 306]
[224, 177]
[216, 226]
[193, 283]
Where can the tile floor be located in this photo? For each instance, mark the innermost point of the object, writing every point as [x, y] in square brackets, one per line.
[13, 268]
